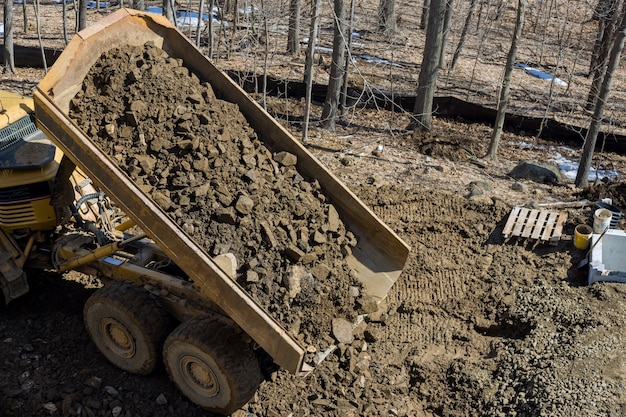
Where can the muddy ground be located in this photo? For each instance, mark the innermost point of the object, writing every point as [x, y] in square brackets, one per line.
[476, 324]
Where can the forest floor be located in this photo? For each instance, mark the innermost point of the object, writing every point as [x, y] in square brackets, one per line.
[476, 325]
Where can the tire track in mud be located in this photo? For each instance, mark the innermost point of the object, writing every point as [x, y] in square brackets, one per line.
[435, 296]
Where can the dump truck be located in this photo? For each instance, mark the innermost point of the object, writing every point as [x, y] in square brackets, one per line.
[66, 205]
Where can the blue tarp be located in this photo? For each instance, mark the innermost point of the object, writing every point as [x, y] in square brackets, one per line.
[540, 74]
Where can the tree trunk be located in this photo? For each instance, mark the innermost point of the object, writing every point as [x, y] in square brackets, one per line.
[329, 112]
[316, 6]
[293, 34]
[387, 16]
[25, 16]
[506, 82]
[344, 87]
[427, 79]
[38, 23]
[66, 38]
[459, 46]
[168, 10]
[199, 26]
[596, 120]
[82, 15]
[9, 52]
[425, 12]
[210, 28]
[602, 48]
[446, 30]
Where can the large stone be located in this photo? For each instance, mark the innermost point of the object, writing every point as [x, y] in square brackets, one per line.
[342, 330]
[538, 172]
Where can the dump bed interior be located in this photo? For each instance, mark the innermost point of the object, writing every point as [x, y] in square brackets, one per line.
[378, 259]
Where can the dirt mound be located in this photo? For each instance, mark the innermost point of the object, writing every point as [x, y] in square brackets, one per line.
[199, 159]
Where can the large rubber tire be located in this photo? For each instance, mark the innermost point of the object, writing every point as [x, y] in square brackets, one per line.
[128, 325]
[211, 364]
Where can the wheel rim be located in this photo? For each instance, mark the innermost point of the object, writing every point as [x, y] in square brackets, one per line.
[198, 375]
[117, 337]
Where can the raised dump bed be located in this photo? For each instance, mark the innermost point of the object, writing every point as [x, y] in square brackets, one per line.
[377, 259]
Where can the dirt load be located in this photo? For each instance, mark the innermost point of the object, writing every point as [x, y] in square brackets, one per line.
[475, 326]
[199, 160]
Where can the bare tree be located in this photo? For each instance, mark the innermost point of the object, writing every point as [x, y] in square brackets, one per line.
[591, 138]
[38, 23]
[66, 39]
[425, 12]
[82, 15]
[344, 87]
[446, 30]
[316, 6]
[427, 79]
[25, 15]
[387, 16]
[168, 10]
[463, 36]
[329, 111]
[607, 25]
[9, 52]
[293, 34]
[506, 82]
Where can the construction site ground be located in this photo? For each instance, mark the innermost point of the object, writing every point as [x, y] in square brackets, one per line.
[476, 325]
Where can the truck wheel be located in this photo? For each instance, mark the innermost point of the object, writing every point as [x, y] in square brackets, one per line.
[211, 365]
[128, 325]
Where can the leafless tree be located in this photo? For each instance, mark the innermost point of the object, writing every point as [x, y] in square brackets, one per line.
[331, 102]
[424, 16]
[446, 31]
[25, 16]
[387, 16]
[66, 39]
[82, 14]
[293, 34]
[427, 79]
[344, 87]
[138, 4]
[316, 6]
[168, 10]
[38, 23]
[9, 52]
[463, 36]
[607, 26]
[591, 137]
[506, 82]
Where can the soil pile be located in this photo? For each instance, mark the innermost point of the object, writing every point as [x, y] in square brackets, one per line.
[200, 160]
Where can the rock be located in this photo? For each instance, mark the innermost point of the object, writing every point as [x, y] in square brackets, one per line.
[111, 391]
[116, 411]
[518, 186]
[481, 185]
[333, 219]
[244, 204]
[543, 173]
[227, 263]
[294, 278]
[161, 399]
[294, 253]
[285, 158]
[93, 382]
[50, 407]
[342, 330]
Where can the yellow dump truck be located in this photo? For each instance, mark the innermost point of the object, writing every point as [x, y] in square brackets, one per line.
[65, 204]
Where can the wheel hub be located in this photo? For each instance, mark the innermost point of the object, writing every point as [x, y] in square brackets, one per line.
[199, 375]
[117, 337]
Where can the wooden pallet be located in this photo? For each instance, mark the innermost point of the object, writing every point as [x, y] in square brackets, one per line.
[538, 225]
